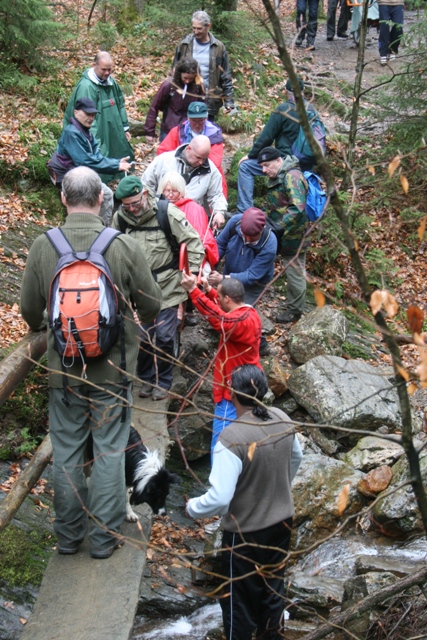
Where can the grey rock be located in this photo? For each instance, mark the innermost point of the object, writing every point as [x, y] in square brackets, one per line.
[371, 452]
[345, 393]
[136, 128]
[327, 444]
[316, 488]
[398, 512]
[287, 403]
[321, 332]
[370, 564]
[194, 429]
[359, 587]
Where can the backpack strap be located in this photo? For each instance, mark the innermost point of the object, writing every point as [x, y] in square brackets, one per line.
[103, 240]
[59, 241]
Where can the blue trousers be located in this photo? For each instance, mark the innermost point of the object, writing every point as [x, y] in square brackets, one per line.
[155, 362]
[245, 184]
[225, 412]
[310, 27]
[391, 28]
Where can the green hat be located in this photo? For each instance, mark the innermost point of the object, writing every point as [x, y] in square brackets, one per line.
[129, 186]
[300, 82]
[197, 110]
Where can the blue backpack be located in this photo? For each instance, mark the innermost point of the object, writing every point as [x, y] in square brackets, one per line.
[316, 197]
[300, 148]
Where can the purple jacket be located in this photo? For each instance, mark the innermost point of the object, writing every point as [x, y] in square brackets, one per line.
[170, 100]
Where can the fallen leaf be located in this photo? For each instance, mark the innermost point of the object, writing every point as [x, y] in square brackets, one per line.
[393, 165]
[405, 184]
[415, 317]
[320, 298]
[421, 229]
[403, 373]
[382, 298]
[342, 501]
[371, 169]
[251, 451]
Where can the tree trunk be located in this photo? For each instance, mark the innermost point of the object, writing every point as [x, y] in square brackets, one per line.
[15, 366]
[25, 482]
[139, 6]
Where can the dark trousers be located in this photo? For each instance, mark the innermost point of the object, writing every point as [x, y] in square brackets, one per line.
[310, 27]
[391, 28]
[255, 601]
[155, 362]
[342, 20]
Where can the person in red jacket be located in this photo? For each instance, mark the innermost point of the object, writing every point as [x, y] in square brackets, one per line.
[173, 98]
[172, 187]
[239, 326]
[197, 124]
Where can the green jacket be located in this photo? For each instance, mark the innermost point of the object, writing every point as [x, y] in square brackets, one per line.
[287, 194]
[131, 275]
[111, 123]
[281, 128]
[155, 247]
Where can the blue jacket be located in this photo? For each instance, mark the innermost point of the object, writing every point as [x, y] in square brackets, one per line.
[249, 263]
[78, 143]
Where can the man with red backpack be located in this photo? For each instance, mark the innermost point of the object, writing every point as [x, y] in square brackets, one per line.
[88, 395]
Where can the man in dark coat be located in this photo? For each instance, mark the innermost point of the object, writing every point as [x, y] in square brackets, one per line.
[111, 127]
[212, 57]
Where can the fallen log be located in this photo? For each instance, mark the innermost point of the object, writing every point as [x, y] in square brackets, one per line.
[338, 622]
[25, 482]
[15, 366]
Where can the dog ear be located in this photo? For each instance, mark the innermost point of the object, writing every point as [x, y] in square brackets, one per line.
[174, 478]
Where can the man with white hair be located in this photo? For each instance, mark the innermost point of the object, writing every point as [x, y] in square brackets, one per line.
[111, 127]
[212, 57]
[202, 178]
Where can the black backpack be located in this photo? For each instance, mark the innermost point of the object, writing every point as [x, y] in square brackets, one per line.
[164, 225]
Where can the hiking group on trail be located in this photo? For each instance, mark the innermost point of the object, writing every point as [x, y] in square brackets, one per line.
[112, 288]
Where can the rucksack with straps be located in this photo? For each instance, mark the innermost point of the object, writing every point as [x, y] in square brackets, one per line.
[316, 197]
[164, 225]
[83, 306]
[300, 148]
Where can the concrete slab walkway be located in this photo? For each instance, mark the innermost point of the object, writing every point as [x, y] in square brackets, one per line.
[85, 599]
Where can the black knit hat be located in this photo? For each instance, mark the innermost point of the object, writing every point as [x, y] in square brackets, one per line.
[267, 154]
[300, 82]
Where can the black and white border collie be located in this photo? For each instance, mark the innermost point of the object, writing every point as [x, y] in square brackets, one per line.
[147, 480]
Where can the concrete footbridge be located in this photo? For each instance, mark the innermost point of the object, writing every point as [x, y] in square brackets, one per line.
[85, 599]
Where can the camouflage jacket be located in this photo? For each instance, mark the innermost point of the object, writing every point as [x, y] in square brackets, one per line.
[286, 198]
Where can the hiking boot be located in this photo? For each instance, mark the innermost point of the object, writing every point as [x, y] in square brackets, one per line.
[67, 551]
[285, 317]
[299, 41]
[105, 553]
[343, 36]
[191, 319]
[264, 347]
[310, 46]
[329, 38]
[159, 394]
[145, 390]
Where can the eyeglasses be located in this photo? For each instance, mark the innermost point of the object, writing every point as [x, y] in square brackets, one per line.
[133, 205]
[165, 191]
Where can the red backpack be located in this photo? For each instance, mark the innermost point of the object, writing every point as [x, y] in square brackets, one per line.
[83, 306]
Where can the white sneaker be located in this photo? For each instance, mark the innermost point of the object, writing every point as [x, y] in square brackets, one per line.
[383, 61]
[392, 56]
